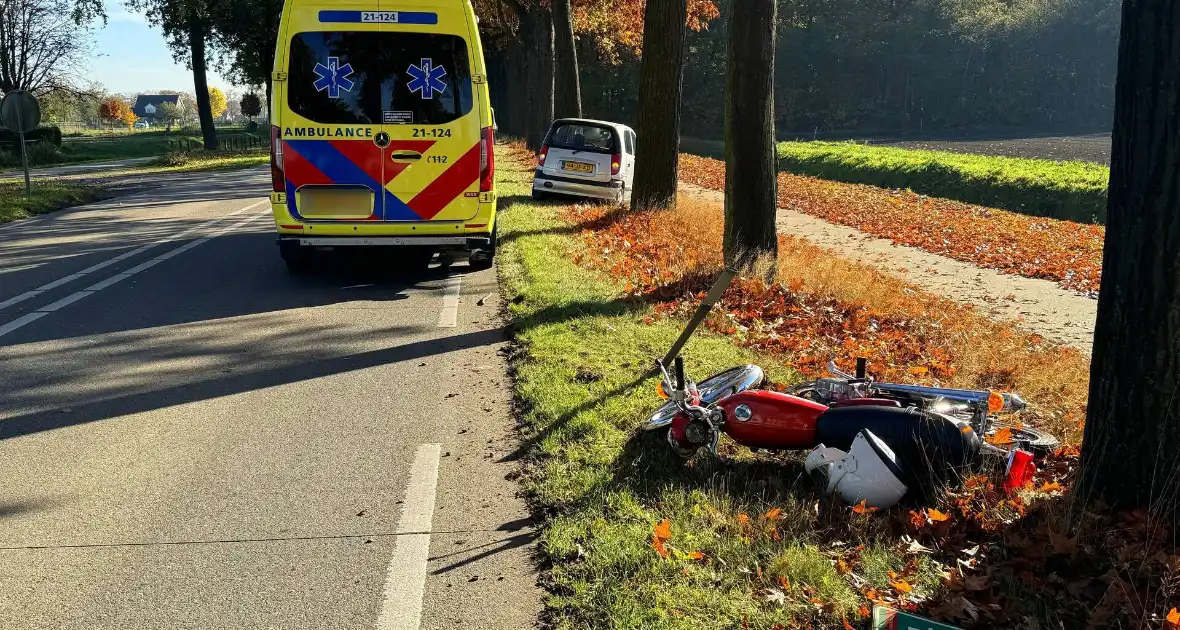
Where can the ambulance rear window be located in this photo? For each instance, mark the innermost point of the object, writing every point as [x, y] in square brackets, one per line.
[373, 78]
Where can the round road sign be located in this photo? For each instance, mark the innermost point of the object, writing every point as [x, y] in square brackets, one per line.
[20, 112]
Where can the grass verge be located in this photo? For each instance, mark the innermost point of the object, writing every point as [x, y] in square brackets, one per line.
[1074, 191]
[636, 538]
[48, 195]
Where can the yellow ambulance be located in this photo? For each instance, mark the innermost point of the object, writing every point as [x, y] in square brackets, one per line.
[381, 131]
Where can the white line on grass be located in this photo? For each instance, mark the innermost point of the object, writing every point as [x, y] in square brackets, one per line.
[405, 579]
[95, 288]
[124, 256]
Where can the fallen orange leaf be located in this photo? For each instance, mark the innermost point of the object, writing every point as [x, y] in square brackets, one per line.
[847, 626]
[863, 507]
[773, 515]
[695, 555]
[902, 586]
[1050, 486]
[743, 518]
[936, 516]
[1173, 617]
[663, 530]
[863, 611]
[658, 545]
[784, 582]
[1002, 436]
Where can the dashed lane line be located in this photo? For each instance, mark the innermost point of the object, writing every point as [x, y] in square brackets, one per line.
[405, 579]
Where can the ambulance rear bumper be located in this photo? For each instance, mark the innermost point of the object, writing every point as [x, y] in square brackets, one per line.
[458, 242]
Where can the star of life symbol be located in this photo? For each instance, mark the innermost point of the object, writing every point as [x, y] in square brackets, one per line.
[333, 77]
[427, 78]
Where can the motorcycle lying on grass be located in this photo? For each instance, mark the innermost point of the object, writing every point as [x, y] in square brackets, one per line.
[869, 441]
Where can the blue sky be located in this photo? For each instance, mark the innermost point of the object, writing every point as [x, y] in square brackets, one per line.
[132, 57]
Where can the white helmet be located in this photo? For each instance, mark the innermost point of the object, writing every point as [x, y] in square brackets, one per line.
[869, 472]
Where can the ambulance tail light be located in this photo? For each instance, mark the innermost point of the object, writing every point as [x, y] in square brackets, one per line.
[487, 159]
[616, 161]
[277, 180]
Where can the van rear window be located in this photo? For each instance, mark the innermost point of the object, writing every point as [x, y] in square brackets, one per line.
[372, 77]
[583, 137]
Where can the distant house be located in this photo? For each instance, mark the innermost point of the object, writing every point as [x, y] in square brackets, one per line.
[146, 105]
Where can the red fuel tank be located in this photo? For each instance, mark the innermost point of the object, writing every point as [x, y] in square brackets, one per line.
[764, 419]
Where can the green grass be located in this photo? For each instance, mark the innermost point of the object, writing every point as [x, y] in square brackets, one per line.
[48, 195]
[584, 383]
[1075, 191]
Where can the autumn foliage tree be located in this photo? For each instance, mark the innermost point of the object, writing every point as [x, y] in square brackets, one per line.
[217, 102]
[523, 40]
[113, 110]
[129, 118]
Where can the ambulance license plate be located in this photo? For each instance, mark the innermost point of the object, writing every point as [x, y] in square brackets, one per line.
[579, 167]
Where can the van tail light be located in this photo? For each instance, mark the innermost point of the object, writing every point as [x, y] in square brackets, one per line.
[542, 155]
[278, 182]
[487, 159]
[616, 161]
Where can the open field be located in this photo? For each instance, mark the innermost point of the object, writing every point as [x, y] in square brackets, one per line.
[1072, 190]
[1078, 148]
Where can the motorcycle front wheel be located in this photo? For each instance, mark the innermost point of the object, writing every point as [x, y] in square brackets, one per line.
[720, 385]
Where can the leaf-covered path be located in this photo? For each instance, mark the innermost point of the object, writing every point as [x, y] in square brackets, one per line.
[1042, 306]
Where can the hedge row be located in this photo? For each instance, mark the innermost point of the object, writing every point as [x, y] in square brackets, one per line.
[1075, 191]
[44, 133]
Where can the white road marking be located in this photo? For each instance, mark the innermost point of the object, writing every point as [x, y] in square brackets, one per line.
[449, 317]
[95, 288]
[124, 256]
[405, 579]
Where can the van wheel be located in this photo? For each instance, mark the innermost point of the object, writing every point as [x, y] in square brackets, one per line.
[297, 257]
[540, 195]
[484, 258]
[621, 197]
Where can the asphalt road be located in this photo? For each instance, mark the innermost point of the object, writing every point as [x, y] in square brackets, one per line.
[190, 437]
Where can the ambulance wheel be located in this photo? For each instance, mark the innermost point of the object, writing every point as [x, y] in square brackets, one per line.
[484, 258]
[297, 257]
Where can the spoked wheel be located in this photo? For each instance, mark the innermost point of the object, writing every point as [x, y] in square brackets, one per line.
[1033, 440]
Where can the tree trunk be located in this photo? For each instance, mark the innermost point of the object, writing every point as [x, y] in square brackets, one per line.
[661, 76]
[538, 33]
[1131, 450]
[751, 190]
[196, 42]
[568, 85]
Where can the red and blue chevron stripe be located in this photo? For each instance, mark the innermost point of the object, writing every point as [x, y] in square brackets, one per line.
[326, 162]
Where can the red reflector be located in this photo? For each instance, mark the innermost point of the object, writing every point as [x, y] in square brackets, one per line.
[476, 225]
[291, 227]
[487, 160]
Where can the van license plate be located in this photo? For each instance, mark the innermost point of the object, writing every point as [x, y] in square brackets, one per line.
[580, 167]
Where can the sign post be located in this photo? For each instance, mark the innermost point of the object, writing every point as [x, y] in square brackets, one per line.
[20, 112]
